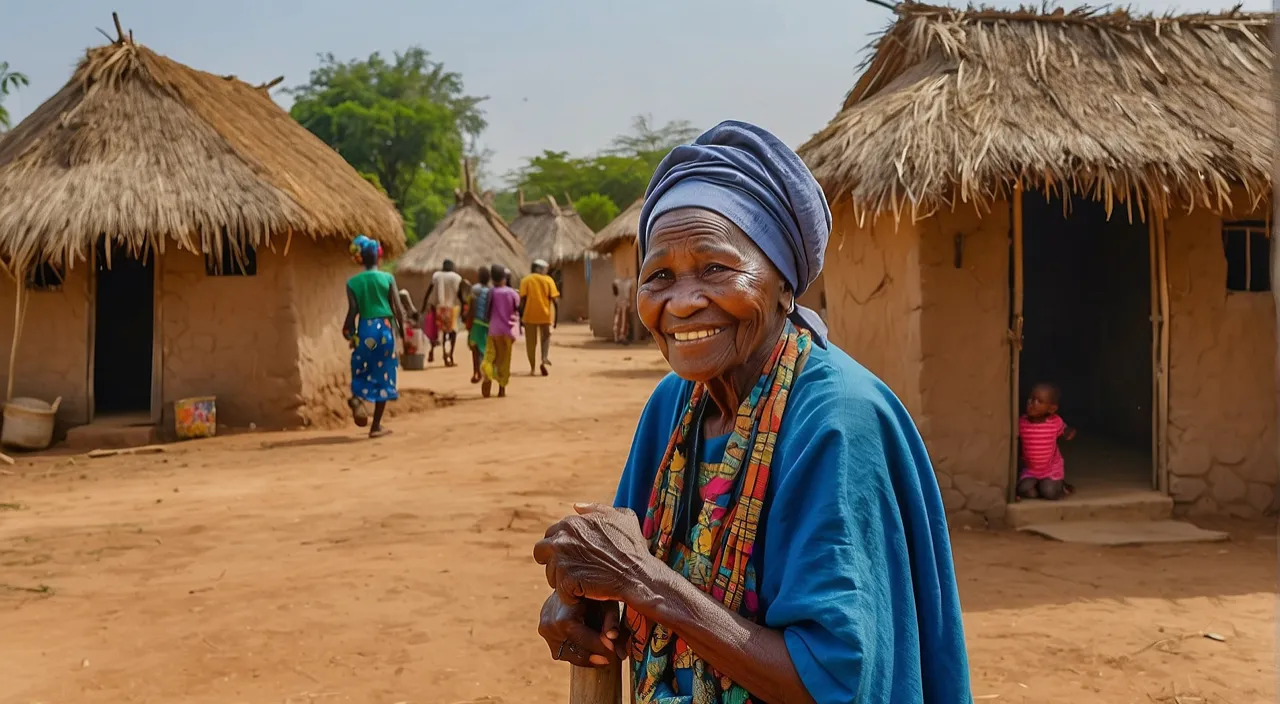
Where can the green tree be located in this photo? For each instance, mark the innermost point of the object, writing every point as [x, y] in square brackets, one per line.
[596, 210]
[403, 123]
[647, 139]
[620, 172]
[9, 82]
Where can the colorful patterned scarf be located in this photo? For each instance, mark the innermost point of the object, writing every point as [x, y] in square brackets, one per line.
[718, 559]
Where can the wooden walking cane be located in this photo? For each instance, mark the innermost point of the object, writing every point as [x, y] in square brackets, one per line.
[596, 685]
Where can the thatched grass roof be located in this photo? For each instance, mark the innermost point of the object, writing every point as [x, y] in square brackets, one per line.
[473, 235]
[623, 228]
[956, 105]
[552, 232]
[145, 150]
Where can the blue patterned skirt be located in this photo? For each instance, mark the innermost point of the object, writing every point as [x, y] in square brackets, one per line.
[374, 363]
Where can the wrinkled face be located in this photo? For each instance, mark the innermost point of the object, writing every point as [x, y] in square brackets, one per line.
[711, 298]
[1041, 403]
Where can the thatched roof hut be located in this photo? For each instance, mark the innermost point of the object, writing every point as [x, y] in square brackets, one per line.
[556, 234]
[977, 250]
[473, 235]
[550, 231]
[623, 228]
[145, 150]
[955, 105]
[216, 229]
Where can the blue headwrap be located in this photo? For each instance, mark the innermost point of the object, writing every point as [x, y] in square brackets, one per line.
[361, 244]
[750, 177]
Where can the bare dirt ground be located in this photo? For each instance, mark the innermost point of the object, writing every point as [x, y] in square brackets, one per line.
[322, 567]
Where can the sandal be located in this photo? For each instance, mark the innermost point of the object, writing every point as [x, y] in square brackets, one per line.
[358, 412]
[379, 433]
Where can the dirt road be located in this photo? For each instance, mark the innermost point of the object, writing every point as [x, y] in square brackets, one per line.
[322, 567]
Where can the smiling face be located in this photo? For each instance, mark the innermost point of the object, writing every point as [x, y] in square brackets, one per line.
[713, 301]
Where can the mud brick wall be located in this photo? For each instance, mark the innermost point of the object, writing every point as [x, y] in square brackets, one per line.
[1222, 403]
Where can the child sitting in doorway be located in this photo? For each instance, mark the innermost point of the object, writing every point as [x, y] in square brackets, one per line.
[1043, 472]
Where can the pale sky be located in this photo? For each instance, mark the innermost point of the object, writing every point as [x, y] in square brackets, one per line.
[560, 74]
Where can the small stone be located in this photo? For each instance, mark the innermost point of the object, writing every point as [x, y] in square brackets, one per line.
[952, 500]
[944, 480]
[965, 520]
[1260, 496]
[1187, 489]
[1226, 486]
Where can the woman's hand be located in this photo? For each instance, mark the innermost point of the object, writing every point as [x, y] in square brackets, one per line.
[571, 639]
[596, 554]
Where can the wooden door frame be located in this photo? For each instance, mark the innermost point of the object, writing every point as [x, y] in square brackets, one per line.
[91, 335]
[1159, 284]
[1015, 339]
[157, 340]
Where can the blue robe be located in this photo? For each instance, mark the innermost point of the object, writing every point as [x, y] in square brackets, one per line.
[853, 557]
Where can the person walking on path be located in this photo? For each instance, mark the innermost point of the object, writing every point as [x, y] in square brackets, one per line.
[539, 308]
[478, 323]
[373, 299]
[444, 296]
[624, 293]
[504, 303]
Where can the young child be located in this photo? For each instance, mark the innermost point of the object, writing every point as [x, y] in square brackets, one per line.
[1043, 472]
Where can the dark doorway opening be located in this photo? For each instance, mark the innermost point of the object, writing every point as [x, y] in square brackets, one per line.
[1087, 328]
[123, 332]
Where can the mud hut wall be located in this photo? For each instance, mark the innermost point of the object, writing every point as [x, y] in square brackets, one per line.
[812, 297]
[53, 352]
[964, 352]
[625, 266]
[872, 280]
[1222, 352]
[415, 284]
[230, 336]
[573, 293]
[600, 297]
[315, 290]
[624, 260]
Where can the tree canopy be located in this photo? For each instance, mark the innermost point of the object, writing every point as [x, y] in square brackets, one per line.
[9, 82]
[617, 175]
[404, 124]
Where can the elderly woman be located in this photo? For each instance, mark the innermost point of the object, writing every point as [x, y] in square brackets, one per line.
[779, 534]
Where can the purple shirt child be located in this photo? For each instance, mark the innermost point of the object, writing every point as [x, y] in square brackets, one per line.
[503, 302]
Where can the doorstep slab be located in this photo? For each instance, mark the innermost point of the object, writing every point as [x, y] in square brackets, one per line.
[1115, 505]
[1118, 533]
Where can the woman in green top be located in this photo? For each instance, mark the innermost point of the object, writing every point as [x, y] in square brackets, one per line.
[371, 295]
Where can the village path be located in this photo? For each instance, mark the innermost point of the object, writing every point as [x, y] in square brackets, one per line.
[320, 567]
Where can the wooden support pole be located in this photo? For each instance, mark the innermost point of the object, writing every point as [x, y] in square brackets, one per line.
[1162, 260]
[1015, 341]
[1153, 255]
[589, 685]
[592, 685]
[18, 291]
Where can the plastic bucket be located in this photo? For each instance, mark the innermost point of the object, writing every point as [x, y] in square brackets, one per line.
[195, 417]
[28, 423]
[413, 362]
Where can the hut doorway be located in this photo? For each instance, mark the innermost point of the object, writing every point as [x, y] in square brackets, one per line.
[124, 327]
[1087, 329]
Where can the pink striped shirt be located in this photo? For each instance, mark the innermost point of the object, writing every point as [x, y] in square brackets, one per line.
[1041, 458]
